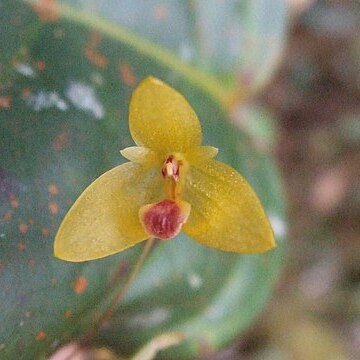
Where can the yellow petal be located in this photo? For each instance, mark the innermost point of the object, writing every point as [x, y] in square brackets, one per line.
[141, 155]
[225, 212]
[104, 219]
[161, 119]
[201, 153]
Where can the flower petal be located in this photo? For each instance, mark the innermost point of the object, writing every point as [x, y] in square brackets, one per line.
[141, 155]
[225, 212]
[201, 154]
[105, 218]
[161, 119]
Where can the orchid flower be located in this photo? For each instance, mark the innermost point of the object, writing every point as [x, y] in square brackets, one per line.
[171, 183]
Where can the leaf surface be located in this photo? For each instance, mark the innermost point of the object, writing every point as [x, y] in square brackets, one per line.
[66, 120]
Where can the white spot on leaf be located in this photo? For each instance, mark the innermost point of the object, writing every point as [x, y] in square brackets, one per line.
[26, 70]
[83, 97]
[45, 100]
[195, 281]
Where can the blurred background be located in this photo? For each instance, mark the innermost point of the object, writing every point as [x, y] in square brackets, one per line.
[315, 94]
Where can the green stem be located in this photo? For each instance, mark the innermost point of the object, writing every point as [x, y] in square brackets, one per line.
[120, 295]
[106, 316]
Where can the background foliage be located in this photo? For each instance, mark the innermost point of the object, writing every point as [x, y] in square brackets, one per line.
[67, 72]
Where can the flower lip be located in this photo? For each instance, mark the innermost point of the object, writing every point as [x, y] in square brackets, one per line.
[163, 220]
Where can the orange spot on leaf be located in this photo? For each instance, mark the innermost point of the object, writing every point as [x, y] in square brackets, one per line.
[5, 102]
[45, 231]
[41, 335]
[23, 228]
[61, 141]
[53, 189]
[14, 201]
[26, 92]
[127, 74]
[21, 246]
[80, 285]
[53, 207]
[8, 215]
[92, 53]
[47, 10]
[68, 314]
[40, 65]
[96, 58]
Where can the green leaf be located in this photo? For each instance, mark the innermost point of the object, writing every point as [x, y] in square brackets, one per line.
[231, 39]
[64, 125]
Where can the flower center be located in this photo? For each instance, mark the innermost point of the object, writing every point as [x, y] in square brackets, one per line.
[164, 219]
[173, 172]
[171, 168]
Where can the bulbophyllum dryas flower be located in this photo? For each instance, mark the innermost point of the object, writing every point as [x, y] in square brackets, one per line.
[171, 183]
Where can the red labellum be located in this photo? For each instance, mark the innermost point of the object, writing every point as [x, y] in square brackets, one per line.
[163, 220]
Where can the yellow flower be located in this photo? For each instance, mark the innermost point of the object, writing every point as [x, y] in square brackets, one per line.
[171, 183]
